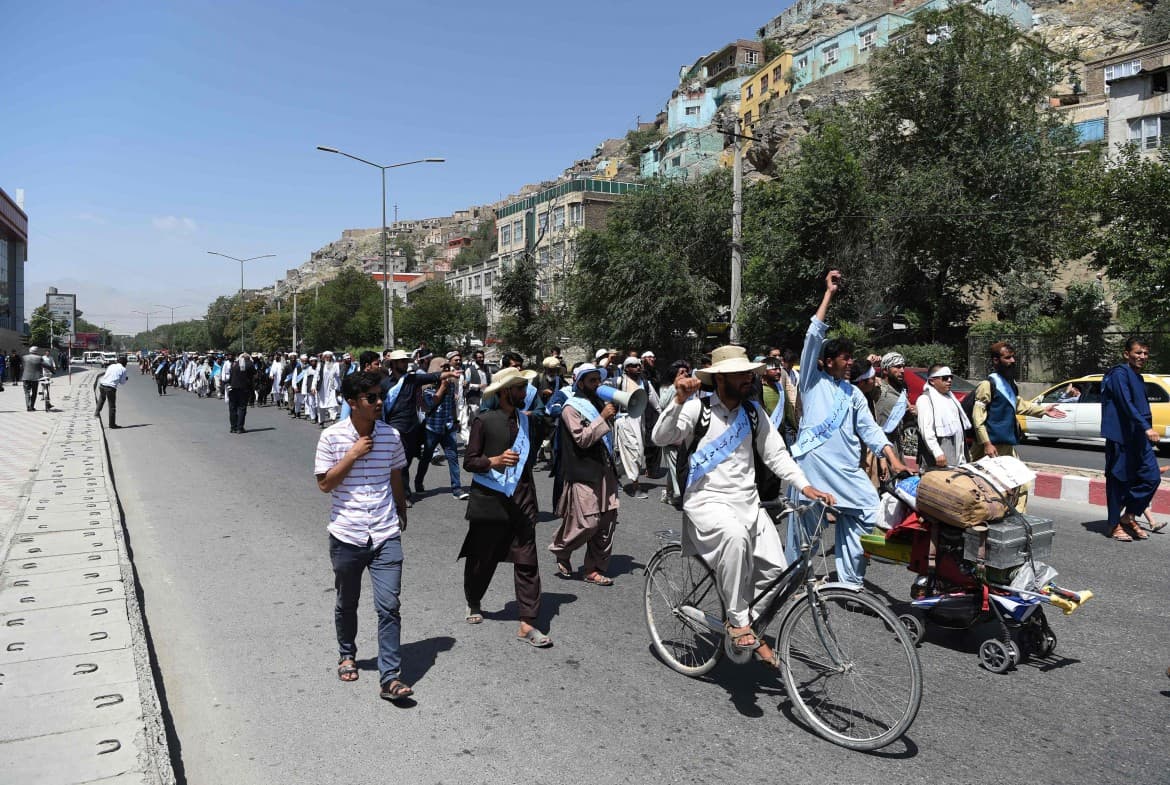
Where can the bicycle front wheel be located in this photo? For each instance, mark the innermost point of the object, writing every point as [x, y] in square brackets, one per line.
[850, 668]
[682, 605]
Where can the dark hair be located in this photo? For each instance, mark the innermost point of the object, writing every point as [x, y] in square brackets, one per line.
[367, 357]
[933, 368]
[356, 383]
[835, 347]
[857, 369]
[1133, 341]
[789, 356]
[513, 358]
[677, 366]
[999, 346]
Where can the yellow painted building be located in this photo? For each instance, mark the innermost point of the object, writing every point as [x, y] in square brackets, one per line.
[771, 81]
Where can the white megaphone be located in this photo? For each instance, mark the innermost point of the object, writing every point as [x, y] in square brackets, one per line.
[634, 403]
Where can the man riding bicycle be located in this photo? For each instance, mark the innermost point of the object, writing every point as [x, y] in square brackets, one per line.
[723, 522]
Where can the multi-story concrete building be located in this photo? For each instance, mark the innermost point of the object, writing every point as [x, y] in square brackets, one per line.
[773, 80]
[548, 222]
[686, 154]
[13, 255]
[1139, 108]
[478, 281]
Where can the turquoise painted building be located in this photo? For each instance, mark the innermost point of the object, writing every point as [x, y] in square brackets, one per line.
[855, 45]
[695, 108]
[686, 153]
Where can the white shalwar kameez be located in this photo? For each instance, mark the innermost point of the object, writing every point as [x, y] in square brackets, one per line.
[328, 386]
[308, 393]
[722, 521]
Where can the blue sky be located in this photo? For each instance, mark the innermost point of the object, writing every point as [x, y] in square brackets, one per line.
[146, 134]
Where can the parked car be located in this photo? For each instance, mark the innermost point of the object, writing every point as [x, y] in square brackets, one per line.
[916, 383]
[1083, 422]
[91, 358]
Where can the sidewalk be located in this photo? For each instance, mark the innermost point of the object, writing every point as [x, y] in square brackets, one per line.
[77, 696]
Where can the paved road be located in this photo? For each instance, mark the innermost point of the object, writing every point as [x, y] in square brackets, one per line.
[1082, 455]
[228, 537]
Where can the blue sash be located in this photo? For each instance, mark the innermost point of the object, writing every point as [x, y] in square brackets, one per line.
[392, 396]
[811, 438]
[1003, 388]
[897, 413]
[778, 412]
[529, 397]
[590, 413]
[505, 481]
[707, 457]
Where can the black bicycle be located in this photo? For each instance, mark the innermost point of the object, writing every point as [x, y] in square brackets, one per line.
[848, 664]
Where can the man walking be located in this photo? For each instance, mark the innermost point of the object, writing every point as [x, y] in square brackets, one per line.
[401, 388]
[360, 462]
[1131, 470]
[114, 377]
[441, 427]
[893, 408]
[631, 433]
[502, 510]
[475, 378]
[239, 392]
[588, 505]
[997, 402]
[33, 366]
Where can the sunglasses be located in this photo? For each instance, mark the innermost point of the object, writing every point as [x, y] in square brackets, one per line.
[370, 398]
[944, 378]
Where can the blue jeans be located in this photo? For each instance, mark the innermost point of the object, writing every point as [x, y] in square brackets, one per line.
[385, 565]
[448, 441]
[849, 557]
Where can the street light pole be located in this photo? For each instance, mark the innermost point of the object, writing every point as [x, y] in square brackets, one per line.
[387, 309]
[173, 308]
[147, 314]
[295, 290]
[241, 261]
[736, 230]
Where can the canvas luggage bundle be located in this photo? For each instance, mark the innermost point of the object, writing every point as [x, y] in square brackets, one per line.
[959, 498]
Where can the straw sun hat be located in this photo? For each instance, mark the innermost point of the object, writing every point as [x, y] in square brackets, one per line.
[727, 359]
[509, 377]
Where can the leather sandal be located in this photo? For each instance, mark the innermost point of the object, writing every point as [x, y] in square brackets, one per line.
[1120, 534]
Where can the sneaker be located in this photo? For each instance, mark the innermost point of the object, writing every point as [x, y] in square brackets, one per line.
[461, 495]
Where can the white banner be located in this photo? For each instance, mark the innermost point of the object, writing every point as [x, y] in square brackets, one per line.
[63, 308]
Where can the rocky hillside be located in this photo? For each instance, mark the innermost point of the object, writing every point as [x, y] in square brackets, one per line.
[1094, 28]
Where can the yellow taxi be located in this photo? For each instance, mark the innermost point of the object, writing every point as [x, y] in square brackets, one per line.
[1080, 399]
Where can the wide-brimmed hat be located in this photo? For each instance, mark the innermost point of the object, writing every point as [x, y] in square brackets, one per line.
[727, 359]
[551, 362]
[509, 377]
[397, 354]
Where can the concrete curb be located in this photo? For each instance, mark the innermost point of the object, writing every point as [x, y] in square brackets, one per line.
[1087, 490]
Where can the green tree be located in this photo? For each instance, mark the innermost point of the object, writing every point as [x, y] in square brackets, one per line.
[1134, 244]
[1157, 24]
[42, 324]
[483, 245]
[659, 268]
[437, 316]
[408, 250]
[346, 312]
[273, 332]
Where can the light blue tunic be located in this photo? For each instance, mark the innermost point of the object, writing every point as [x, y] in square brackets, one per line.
[835, 465]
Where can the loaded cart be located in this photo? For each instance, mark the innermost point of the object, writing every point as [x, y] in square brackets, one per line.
[977, 559]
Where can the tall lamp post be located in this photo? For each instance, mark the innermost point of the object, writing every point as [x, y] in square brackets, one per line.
[241, 261]
[172, 309]
[147, 314]
[296, 287]
[387, 311]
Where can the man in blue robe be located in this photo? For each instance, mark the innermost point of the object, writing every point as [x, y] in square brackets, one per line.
[835, 421]
[1131, 470]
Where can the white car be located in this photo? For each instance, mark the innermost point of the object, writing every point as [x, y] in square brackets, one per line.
[91, 358]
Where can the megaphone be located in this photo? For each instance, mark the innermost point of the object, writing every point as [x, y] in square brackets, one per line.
[634, 403]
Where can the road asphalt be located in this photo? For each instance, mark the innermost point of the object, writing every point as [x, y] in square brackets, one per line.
[228, 537]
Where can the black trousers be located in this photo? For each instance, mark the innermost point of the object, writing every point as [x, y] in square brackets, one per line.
[110, 395]
[161, 381]
[238, 408]
[30, 395]
[477, 576]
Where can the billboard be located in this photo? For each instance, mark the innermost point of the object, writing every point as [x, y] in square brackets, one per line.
[87, 341]
[63, 308]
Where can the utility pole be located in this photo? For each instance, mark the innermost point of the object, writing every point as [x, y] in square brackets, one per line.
[736, 230]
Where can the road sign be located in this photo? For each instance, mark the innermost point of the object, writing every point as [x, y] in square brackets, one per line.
[63, 308]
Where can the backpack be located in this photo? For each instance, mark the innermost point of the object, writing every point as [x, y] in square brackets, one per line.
[767, 483]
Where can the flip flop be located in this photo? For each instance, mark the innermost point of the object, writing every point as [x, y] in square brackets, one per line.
[1157, 526]
[473, 616]
[536, 639]
[597, 579]
[395, 691]
[564, 569]
[344, 670]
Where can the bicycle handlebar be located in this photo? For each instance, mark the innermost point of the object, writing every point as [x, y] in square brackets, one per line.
[785, 506]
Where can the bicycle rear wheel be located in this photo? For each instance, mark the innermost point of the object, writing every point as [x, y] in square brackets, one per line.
[850, 668]
[682, 602]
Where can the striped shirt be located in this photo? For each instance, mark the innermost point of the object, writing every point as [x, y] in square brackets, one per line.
[363, 504]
